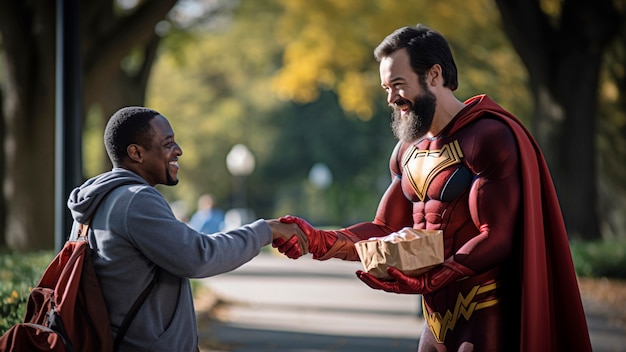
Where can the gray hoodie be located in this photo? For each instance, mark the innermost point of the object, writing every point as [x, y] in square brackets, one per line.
[135, 233]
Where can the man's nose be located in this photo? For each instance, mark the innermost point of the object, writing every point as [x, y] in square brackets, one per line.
[392, 97]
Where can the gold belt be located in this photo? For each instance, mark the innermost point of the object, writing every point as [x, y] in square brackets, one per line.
[464, 306]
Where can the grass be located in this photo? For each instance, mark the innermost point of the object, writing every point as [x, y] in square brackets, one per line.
[600, 258]
[19, 273]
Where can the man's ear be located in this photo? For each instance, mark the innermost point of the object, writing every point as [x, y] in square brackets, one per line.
[434, 74]
[134, 153]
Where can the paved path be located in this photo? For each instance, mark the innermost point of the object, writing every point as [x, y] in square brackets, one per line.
[279, 304]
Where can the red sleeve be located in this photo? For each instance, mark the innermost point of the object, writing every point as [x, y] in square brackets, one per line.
[494, 198]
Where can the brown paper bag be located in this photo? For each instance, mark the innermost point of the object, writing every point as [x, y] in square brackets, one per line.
[410, 250]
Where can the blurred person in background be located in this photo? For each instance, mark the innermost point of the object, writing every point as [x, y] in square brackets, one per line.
[207, 218]
[472, 170]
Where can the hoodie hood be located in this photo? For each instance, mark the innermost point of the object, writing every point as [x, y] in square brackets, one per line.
[84, 199]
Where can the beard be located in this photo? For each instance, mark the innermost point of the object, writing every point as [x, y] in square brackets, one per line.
[169, 179]
[418, 119]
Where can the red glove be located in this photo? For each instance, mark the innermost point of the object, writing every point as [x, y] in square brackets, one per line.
[429, 282]
[319, 241]
[290, 248]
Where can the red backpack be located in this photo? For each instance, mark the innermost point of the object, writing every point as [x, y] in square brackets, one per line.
[66, 311]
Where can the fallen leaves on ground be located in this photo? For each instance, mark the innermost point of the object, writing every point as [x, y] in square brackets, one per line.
[609, 292]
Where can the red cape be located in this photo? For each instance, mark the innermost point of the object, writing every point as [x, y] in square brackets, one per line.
[552, 314]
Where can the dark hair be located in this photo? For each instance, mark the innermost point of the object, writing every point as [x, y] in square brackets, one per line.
[426, 48]
[129, 125]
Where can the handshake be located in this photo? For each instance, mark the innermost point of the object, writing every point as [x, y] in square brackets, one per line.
[306, 238]
[340, 244]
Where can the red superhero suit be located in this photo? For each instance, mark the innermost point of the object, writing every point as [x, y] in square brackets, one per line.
[508, 281]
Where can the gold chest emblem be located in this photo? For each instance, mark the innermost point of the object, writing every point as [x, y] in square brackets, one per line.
[421, 166]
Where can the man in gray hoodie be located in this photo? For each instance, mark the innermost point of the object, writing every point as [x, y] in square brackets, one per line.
[136, 236]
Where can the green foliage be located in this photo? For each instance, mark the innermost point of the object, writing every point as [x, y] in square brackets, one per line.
[600, 258]
[19, 273]
[356, 152]
[329, 45]
[298, 84]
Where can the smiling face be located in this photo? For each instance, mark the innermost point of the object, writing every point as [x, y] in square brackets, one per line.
[158, 161]
[412, 102]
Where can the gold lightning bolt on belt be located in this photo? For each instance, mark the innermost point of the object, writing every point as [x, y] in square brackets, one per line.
[464, 306]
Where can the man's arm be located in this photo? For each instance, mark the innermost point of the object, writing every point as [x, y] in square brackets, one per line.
[394, 212]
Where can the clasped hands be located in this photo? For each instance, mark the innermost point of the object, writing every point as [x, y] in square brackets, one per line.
[318, 241]
[289, 235]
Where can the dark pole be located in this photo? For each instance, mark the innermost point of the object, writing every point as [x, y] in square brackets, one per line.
[68, 156]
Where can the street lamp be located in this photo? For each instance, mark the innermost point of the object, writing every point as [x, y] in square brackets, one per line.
[321, 177]
[240, 163]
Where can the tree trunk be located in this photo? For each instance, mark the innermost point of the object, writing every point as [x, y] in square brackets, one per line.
[28, 37]
[29, 117]
[563, 63]
[3, 207]
[577, 170]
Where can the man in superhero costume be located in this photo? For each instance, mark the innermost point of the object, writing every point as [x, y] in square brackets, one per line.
[472, 170]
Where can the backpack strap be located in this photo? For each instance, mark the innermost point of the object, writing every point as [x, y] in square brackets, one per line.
[83, 231]
[133, 312]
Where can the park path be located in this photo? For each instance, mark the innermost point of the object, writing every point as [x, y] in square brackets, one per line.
[274, 303]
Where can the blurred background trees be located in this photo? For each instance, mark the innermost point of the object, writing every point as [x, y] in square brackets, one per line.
[118, 47]
[296, 82]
